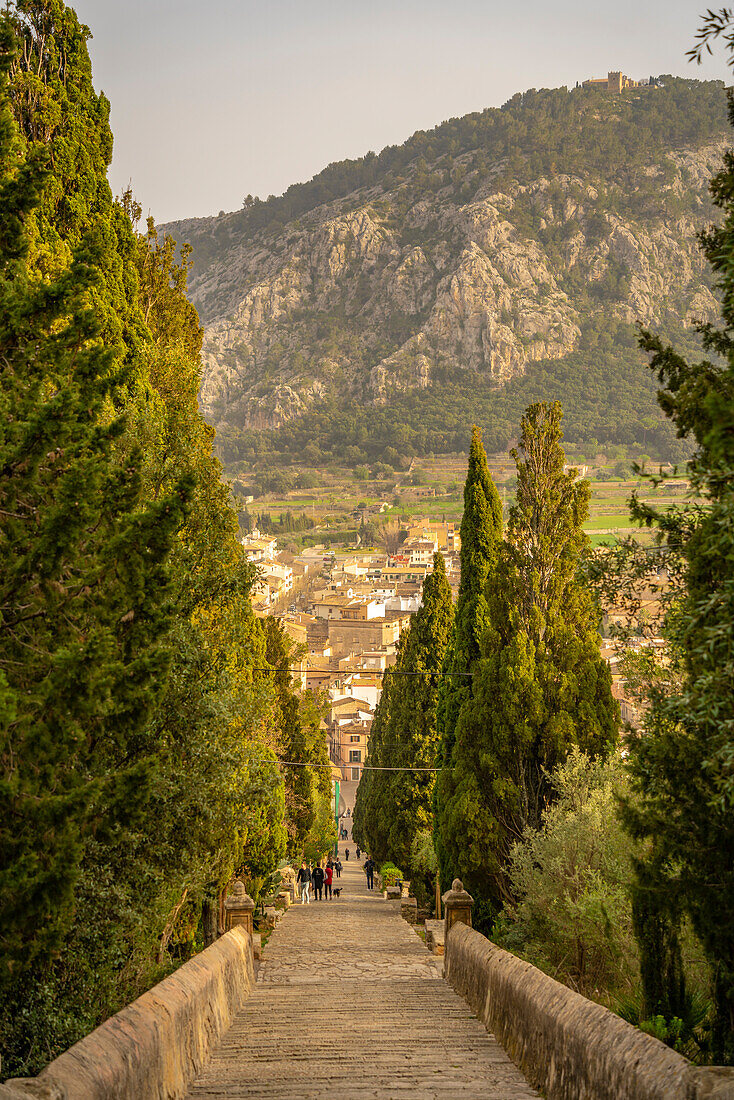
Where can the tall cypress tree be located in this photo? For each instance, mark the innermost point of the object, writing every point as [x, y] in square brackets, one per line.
[397, 805]
[481, 531]
[162, 774]
[301, 742]
[540, 685]
[366, 816]
[84, 585]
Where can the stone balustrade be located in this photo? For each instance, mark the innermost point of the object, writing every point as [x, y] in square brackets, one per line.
[156, 1046]
[567, 1046]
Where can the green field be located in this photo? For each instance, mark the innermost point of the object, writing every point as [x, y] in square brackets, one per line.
[433, 490]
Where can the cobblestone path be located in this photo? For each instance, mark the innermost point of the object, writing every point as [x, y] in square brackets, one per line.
[349, 1004]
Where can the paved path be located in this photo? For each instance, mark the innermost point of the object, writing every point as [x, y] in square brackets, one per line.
[349, 1005]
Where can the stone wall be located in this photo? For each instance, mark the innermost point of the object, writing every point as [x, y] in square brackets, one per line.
[568, 1047]
[155, 1047]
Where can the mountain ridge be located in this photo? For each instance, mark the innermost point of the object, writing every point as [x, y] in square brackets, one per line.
[473, 261]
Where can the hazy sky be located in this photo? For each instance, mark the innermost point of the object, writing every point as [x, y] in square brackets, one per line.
[212, 99]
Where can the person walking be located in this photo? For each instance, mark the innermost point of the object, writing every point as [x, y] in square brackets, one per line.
[328, 879]
[338, 867]
[369, 868]
[346, 855]
[318, 881]
[359, 853]
[303, 878]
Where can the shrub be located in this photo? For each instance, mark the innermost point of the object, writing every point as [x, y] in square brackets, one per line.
[572, 917]
[390, 874]
[423, 869]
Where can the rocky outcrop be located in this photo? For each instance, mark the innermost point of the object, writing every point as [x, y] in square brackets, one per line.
[363, 298]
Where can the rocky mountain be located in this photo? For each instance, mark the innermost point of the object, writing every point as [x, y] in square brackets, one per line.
[429, 284]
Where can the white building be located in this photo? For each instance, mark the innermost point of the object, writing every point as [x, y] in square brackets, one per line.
[279, 578]
[259, 548]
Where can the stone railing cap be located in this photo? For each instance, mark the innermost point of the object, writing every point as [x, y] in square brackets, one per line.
[457, 895]
[238, 898]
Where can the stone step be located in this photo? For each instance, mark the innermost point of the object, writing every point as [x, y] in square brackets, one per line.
[349, 1004]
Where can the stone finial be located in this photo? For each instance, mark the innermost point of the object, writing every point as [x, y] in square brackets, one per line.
[238, 907]
[457, 905]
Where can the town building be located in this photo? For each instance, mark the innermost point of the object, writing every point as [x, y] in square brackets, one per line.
[260, 548]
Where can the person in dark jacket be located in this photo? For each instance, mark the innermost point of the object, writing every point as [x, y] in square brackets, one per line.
[346, 855]
[303, 878]
[318, 881]
[369, 870]
[338, 867]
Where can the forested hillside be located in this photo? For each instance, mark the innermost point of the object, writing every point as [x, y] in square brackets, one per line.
[502, 258]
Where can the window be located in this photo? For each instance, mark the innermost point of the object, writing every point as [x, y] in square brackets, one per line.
[355, 738]
[355, 756]
[355, 774]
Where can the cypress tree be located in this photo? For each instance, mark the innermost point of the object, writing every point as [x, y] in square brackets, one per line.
[543, 686]
[398, 804]
[301, 741]
[366, 814]
[682, 760]
[138, 752]
[481, 530]
[540, 685]
[84, 588]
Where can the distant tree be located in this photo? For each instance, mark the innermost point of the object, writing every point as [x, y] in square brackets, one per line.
[399, 804]
[301, 741]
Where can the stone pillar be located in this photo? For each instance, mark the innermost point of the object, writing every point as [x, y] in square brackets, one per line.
[409, 910]
[457, 906]
[405, 888]
[239, 908]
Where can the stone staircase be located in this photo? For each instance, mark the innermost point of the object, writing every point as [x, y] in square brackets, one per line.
[348, 1003]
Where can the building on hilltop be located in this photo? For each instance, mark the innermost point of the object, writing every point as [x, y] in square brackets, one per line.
[613, 83]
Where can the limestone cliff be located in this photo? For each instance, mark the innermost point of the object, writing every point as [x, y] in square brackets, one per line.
[460, 261]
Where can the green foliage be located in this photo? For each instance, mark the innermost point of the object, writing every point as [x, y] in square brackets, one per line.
[423, 868]
[322, 834]
[84, 598]
[390, 874]
[481, 530]
[570, 913]
[687, 1034]
[307, 790]
[423, 858]
[139, 751]
[682, 762]
[539, 685]
[391, 807]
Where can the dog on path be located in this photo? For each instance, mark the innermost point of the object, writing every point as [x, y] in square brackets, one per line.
[337, 891]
